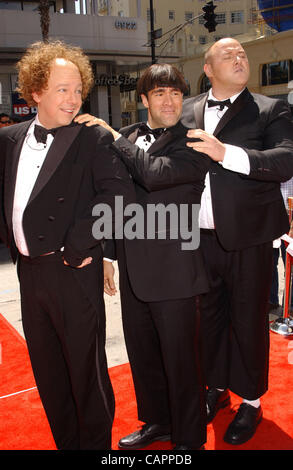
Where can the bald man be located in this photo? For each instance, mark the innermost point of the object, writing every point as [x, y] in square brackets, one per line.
[249, 138]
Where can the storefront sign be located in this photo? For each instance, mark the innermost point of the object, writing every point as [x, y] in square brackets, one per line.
[125, 82]
[21, 108]
[125, 24]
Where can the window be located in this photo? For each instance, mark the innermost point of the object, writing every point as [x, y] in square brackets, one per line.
[221, 18]
[202, 40]
[188, 15]
[276, 73]
[103, 4]
[172, 15]
[32, 6]
[10, 5]
[24, 5]
[237, 17]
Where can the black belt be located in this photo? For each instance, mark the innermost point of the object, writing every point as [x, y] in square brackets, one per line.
[46, 257]
[208, 231]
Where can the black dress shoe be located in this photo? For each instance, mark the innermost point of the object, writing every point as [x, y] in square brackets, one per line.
[182, 447]
[146, 435]
[215, 401]
[244, 424]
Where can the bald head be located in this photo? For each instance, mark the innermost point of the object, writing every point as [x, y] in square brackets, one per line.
[227, 67]
[228, 43]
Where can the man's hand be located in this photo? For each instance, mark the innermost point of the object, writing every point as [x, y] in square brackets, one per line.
[208, 144]
[93, 121]
[109, 284]
[85, 262]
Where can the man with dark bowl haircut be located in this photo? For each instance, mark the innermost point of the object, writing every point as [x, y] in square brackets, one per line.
[159, 279]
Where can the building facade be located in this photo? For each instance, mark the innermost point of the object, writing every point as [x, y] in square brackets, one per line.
[114, 45]
[116, 36]
[234, 17]
[181, 31]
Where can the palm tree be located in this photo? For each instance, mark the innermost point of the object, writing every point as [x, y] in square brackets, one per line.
[43, 8]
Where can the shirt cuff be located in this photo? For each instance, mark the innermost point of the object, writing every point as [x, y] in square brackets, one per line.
[236, 159]
[108, 259]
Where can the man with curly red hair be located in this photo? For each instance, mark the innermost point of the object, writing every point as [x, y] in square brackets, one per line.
[52, 173]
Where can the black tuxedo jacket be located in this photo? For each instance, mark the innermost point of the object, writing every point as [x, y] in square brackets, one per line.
[80, 170]
[169, 173]
[249, 210]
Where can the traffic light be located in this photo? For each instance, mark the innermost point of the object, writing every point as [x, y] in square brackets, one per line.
[210, 17]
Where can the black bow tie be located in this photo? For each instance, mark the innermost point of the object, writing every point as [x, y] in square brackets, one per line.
[146, 130]
[222, 104]
[41, 133]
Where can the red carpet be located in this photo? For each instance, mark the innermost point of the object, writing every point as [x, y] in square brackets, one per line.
[23, 424]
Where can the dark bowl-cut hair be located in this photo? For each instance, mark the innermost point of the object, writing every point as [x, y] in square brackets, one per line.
[161, 75]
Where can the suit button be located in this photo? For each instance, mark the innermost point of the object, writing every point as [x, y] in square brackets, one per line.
[51, 218]
[41, 237]
[60, 199]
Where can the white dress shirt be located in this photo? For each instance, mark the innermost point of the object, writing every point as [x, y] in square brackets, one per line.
[31, 159]
[235, 159]
[144, 142]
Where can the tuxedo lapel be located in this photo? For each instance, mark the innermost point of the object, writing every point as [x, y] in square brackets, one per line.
[157, 145]
[234, 109]
[178, 131]
[16, 139]
[199, 107]
[60, 145]
[161, 142]
[133, 136]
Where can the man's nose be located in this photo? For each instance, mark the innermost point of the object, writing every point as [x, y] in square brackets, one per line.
[168, 99]
[237, 58]
[73, 97]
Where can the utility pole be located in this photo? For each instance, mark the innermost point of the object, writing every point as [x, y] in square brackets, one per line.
[210, 23]
[153, 46]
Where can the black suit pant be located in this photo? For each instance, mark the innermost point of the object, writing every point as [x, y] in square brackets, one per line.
[234, 316]
[163, 345]
[65, 335]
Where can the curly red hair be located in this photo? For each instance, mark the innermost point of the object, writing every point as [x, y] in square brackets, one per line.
[35, 65]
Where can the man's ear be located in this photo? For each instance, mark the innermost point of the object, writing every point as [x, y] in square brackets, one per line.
[36, 96]
[208, 70]
[144, 100]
